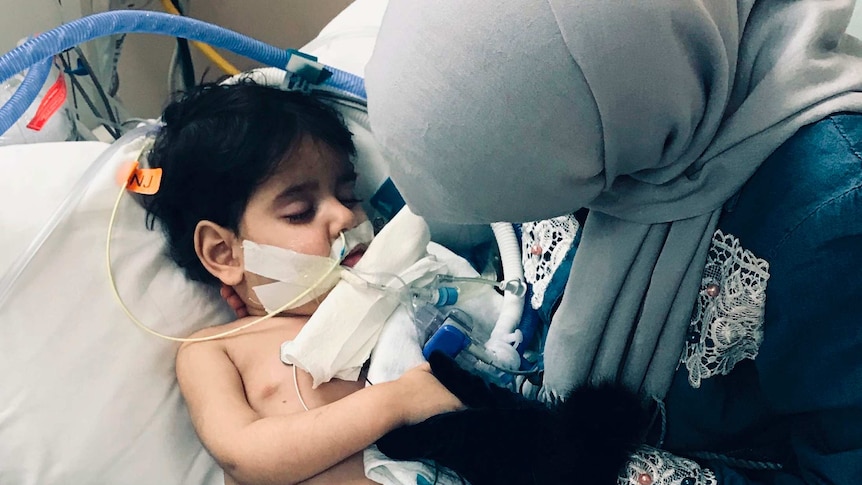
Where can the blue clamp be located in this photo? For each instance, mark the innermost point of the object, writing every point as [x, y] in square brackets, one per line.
[80, 69]
[452, 337]
[306, 67]
[449, 339]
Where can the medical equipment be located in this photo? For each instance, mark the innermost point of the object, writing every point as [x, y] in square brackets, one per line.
[209, 52]
[69, 35]
[47, 118]
[306, 71]
[451, 331]
[25, 93]
[294, 273]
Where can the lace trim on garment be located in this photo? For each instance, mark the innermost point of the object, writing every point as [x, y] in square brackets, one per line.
[727, 324]
[651, 466]
[544, 245]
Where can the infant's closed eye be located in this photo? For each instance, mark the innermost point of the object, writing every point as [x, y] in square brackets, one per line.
[350, 202]
[297, 212]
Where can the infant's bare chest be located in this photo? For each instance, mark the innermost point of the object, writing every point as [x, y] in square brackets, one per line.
[269, 384]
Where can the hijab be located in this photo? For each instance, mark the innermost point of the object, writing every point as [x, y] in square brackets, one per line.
[652, 114]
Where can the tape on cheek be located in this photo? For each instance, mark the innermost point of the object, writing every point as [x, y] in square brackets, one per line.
[295, 273]
[275, 295]
[283, 264]
[361, 234]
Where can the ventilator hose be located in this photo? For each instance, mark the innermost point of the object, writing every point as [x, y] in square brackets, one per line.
[23, 97]
[510, 256]
[54, 41]
[513, 304]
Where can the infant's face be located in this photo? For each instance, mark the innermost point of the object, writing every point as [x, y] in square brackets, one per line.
[304, 205]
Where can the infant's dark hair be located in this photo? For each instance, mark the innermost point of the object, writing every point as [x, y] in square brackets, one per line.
[219, 142]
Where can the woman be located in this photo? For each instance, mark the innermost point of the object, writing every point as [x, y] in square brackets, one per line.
[716, 147]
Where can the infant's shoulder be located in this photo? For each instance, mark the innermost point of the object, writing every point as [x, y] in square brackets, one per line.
[250, 326]
[209, 335]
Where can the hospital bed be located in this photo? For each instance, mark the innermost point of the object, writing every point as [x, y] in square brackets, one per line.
[86, 397]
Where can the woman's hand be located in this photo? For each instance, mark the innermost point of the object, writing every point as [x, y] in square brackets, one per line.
[232, 298]
[421, 396]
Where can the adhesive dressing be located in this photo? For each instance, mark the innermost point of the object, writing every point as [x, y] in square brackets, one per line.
[296, 272]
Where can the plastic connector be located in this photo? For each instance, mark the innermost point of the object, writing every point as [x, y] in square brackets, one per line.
[427, 319]
[448, 339]
[515, 287]
[306, 67]
[452, 337]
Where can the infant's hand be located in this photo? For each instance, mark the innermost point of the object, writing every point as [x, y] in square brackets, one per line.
[422, 395]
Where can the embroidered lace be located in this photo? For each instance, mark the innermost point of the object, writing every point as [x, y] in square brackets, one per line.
[727, 323]
[651, 466]
[544, 245]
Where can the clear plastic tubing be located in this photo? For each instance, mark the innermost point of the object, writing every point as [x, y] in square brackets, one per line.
[7, 282]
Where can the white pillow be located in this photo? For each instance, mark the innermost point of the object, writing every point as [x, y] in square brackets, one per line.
[86, 396]
[347, 41]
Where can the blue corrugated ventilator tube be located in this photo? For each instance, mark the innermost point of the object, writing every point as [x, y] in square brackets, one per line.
[39, 51]
[27, 91]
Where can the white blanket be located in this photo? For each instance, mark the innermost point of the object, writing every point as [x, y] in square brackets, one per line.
[399, 348]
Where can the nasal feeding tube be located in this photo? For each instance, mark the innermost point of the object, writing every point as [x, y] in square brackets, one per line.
[420, 301]
[344, 85]
[440, 292]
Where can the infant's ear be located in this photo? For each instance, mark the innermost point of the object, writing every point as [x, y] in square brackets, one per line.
[217, 249]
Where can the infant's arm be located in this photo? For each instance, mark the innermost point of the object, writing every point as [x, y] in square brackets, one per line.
[289, 449]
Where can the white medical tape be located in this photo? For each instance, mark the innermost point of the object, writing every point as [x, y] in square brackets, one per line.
[282, 264]
[294, 273]
[361, 234]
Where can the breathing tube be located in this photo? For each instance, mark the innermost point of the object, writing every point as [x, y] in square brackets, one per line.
[66, 36]
[505, 337]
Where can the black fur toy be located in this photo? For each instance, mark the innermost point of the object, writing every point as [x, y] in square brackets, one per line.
[503, 438]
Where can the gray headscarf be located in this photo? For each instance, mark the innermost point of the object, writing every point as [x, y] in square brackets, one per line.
[652, 114]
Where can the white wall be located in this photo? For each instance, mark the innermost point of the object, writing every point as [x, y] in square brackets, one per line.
[855, 27]
[22, 18]
[282, 23]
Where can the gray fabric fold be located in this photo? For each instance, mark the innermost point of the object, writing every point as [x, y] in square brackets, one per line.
[651, 114]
